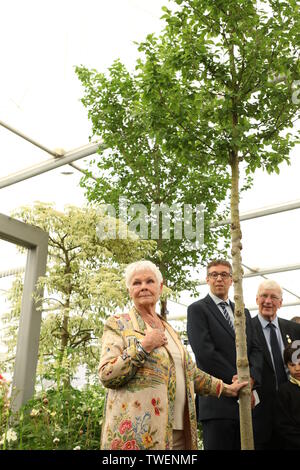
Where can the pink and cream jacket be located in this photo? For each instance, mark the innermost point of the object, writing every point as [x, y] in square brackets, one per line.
[139, 408]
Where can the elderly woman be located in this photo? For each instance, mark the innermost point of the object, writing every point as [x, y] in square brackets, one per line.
[150, 375]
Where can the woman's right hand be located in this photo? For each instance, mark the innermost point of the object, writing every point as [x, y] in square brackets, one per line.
[154, 339]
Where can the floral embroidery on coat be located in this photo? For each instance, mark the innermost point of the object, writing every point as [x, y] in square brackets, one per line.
[156, 404]
[139, 412]
[132, 434]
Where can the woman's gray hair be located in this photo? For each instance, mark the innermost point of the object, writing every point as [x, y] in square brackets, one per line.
[143, 265]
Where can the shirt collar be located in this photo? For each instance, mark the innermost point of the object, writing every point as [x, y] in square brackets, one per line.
[265, 323]
[217, 300]
[295, 381]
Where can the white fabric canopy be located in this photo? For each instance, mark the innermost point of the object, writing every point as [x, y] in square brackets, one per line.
[40, 97]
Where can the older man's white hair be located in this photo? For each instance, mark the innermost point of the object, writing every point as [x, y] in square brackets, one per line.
[269, 284]
[139, 266]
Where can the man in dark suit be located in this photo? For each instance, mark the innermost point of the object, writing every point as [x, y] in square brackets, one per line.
[266, 323]
[212, 338]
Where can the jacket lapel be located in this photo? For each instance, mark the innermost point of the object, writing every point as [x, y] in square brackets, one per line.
[138, 323]
[283, 332]
[214, 309]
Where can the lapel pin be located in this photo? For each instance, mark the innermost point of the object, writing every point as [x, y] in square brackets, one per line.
[288, 339]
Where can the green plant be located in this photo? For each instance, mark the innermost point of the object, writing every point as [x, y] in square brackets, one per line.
[54, 420]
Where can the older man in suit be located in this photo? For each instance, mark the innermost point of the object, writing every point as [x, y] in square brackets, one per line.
[211, 335]
[274, 334]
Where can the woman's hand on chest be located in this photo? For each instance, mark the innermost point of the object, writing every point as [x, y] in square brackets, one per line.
[154, 339]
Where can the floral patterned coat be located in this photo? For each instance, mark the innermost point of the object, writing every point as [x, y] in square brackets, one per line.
[139, 406]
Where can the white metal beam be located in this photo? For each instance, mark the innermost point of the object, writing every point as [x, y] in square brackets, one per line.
[254, 272]
[36, 241]
[11, 272]
[269, 210]
[264, 271]
[277, 270]
[37, 144]
[48, 165]
[29, 139]
[253, 308]
[81, 170]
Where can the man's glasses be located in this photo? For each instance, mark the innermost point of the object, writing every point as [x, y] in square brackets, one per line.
[215, 275]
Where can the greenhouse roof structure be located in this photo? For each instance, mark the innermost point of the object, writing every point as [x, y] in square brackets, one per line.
[45, 132]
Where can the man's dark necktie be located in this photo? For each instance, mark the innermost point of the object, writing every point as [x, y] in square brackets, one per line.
[281, 376]
[226, 314]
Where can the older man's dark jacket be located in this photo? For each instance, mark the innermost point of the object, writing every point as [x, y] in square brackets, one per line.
[213, 343]
[264, 413]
